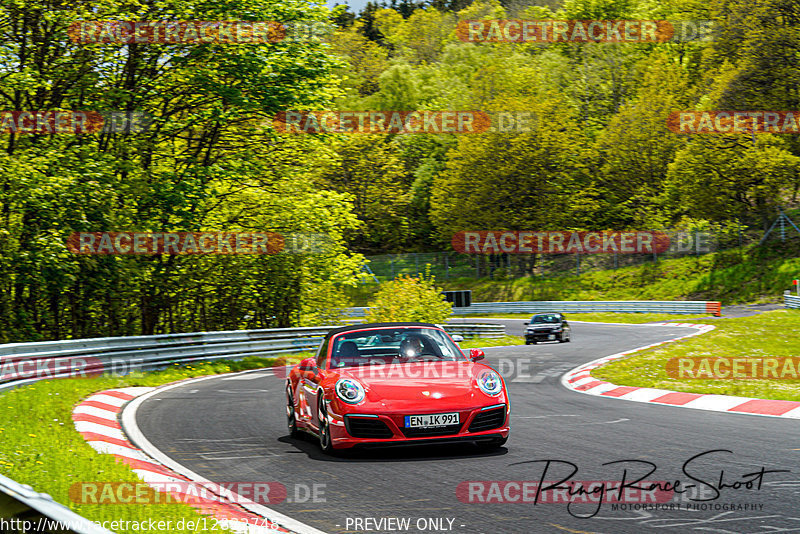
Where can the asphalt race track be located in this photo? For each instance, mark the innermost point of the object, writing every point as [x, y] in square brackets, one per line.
[232, 429]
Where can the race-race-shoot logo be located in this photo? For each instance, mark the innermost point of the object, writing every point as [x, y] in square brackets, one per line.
[530, 242]
[382, 122]
[734, 122]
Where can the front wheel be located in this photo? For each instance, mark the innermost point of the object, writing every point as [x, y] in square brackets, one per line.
[325, 442]
[291, 419]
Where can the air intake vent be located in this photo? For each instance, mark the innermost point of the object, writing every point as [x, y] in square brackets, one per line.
[488, 419]
[367, 427]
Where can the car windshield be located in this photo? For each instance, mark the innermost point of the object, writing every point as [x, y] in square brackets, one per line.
[546, 318]
[392, 345]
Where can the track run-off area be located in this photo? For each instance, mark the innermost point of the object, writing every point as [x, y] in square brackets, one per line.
[744, 469]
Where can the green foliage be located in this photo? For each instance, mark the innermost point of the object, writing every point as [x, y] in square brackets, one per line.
[409, 299]
[207, 164]
[757, 274]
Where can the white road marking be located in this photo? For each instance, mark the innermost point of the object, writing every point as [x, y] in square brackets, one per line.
[250, 376]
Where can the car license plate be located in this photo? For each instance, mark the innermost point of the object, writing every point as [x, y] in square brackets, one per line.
[551, 336]
[436, 419]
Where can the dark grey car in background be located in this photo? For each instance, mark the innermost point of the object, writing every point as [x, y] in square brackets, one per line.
[551, 326]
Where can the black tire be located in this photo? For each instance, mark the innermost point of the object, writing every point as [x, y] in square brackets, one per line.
[325, 442]
[533, 342]
[291, 420]
[569, 337]
[527, 342]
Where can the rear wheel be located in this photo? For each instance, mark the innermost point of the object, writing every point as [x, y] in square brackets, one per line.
[291, 419]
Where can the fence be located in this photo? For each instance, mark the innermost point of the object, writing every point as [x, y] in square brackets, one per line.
[25, 510]
[791, 301]
[476, 330]
[447, 265]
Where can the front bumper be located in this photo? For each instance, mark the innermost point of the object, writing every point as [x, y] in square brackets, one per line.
[544, 335]
[481, 424]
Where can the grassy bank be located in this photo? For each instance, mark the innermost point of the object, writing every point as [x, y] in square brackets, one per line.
[42, 448]
[479, 343]
[767, 335]
[751, 275]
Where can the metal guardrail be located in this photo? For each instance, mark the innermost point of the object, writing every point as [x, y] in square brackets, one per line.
[24, 510]
[578, 306]
[469, 330]
[140, 353]
[86, 357]
[791, 301]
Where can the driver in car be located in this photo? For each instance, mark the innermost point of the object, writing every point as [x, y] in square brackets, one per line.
[414, 346]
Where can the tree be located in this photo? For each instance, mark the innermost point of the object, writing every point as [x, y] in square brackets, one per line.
[409, 298]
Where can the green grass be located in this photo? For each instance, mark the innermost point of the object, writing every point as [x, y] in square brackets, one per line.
[602, 317]
[479, 343]
[754, 274]
[769, 334]
[41, 447]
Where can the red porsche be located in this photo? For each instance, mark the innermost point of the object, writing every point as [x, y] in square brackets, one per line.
[390, 384]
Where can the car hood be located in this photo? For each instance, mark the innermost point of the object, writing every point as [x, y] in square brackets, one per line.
[422, 386]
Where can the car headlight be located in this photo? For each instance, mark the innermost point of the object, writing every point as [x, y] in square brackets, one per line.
[349, 391]
[490, 383]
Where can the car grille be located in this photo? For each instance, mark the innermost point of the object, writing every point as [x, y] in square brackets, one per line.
[488, 419]
[432, 431]
[363, 427]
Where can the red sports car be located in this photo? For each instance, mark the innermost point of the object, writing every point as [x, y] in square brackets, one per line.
[395, 384]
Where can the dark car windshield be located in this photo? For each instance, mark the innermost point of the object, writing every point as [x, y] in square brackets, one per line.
[392, 345]
[546, 318]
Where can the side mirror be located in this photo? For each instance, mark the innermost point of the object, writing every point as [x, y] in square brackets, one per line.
[476, 354]
[458, 338]
[308, 364]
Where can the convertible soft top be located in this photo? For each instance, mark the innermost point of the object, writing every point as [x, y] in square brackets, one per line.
[364, 326]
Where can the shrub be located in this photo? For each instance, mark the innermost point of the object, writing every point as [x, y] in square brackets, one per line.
[408, 298]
